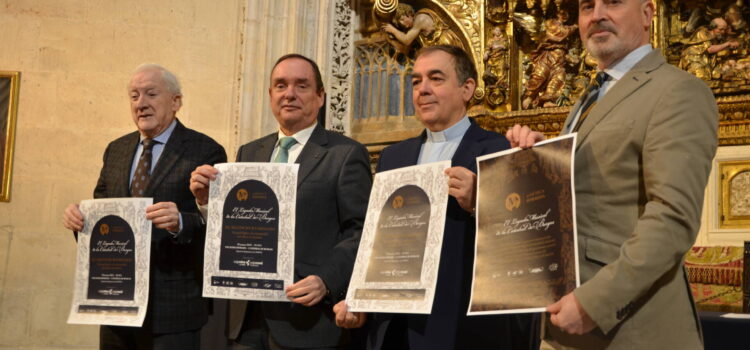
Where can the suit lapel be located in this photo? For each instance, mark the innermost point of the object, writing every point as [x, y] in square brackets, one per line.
[172, 152]
[263, 152]
[312, 153]
[571, 115]
[411, 155]
[469, 148]
[122, 172]
[630, 82]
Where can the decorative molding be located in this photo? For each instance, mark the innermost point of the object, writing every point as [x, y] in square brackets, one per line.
[340, 68]
[470, 15]
[545, 120]
[734, 120]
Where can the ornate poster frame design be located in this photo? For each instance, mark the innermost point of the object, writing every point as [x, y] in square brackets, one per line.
[9, 87]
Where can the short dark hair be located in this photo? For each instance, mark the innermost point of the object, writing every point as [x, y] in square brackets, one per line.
[463, 64]
[316, 70]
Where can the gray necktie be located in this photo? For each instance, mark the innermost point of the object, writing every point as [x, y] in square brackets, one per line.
[590, 98]
[142, 170]
[285, 143]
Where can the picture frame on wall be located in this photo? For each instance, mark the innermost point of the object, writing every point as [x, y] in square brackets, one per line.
[735, 194]
[9, 88]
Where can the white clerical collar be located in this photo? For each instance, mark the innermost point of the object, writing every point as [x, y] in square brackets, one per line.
[301, 136]
[619, 70]
[456, 131]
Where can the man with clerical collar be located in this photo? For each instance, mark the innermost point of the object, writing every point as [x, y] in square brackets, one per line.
[333, 185]
[444, 79]
[156, 162]
[647, 133]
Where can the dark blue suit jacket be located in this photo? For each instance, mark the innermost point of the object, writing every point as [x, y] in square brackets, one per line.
[332, 187]
[448, 327]
[175, 303]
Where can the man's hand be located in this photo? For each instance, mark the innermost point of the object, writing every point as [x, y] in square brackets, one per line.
[462, 184]
[199, 182]
[307, 291]
[164, 215]
[522, 136]
[346, 319]
[72, 218]
[568, 315]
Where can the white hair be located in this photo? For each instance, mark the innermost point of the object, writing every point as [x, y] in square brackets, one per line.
[169, 78]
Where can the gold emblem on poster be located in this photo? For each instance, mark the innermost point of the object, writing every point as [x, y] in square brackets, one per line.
[512, 201]
[242, 195]
[104, 229]
[398, 202]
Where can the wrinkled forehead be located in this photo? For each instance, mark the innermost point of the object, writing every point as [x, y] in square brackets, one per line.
[434, 62]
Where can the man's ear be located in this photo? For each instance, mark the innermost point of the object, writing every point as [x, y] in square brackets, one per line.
[468, 89]
[176, 102]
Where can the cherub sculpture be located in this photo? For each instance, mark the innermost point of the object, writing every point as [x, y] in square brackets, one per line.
[424, 25]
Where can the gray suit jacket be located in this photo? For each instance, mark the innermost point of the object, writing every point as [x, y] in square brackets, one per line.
[641, 165]
[175, 302]
[333, 185]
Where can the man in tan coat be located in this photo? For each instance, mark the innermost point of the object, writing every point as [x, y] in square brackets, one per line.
[642, 160]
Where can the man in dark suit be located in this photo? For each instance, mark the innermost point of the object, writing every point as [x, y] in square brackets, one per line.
[444, 79]
[333, 185]
[647, 134]
[176, 310]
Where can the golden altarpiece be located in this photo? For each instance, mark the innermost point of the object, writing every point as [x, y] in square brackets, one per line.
[531, 64]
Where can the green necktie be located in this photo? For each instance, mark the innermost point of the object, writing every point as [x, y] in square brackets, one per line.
[284, 144]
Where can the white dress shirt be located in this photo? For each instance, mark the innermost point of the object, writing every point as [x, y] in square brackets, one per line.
[301, 136]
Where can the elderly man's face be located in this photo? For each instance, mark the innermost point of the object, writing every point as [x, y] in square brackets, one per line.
[439, 98]
[295, 99]
[152, 104]
[610, 29]
[720, 27]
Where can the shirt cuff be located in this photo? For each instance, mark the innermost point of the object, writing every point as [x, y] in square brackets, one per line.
[203, 209]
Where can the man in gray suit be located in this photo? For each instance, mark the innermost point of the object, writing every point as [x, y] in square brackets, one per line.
[333, 185]
[164, 152]
[642, 160]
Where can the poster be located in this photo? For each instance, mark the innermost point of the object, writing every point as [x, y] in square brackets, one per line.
[526, 249]
[397, 263]
[112, 271]
[249, 252]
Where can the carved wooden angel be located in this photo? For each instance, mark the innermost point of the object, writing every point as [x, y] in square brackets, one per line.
[547, 61]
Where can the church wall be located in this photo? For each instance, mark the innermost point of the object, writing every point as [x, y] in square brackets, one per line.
[75, 58]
